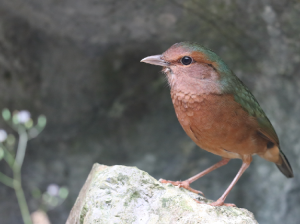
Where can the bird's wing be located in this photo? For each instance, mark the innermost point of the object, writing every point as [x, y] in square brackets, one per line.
[266, 128]
[248, 102]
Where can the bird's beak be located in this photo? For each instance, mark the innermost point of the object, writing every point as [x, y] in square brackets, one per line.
[155, 60]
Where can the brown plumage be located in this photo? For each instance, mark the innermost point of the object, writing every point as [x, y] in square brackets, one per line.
[217, 111]
[208, 118]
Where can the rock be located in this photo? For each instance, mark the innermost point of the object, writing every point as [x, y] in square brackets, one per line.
[121, 194]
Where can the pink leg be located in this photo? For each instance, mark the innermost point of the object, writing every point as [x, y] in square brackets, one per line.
[221, 200]
[186, 184]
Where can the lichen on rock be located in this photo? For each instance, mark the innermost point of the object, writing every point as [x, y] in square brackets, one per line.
[120, 194]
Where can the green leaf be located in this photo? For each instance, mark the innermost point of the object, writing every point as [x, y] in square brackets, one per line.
[42, 120]
[15, 118]
[29, 123]
[6, 114]
[63, 192]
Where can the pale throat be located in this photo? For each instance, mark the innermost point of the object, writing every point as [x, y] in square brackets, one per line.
[170, 76]
[192, 85]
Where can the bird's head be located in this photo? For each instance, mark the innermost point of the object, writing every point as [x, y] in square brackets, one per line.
[192, 68]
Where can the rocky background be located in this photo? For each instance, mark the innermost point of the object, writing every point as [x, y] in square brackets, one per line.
[77, 62]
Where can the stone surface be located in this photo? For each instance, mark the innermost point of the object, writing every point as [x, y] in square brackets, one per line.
[120, 194]
[77, 62]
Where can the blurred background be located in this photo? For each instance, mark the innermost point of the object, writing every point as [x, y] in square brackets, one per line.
[78, 63]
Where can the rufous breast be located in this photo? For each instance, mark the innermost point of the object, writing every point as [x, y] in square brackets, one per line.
[217, 123]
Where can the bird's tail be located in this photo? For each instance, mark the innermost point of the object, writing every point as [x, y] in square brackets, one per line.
[285, 166]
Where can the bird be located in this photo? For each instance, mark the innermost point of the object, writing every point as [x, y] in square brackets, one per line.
[217, 111]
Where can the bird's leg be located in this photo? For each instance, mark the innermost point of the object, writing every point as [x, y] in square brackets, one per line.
[186, 184]
[221, 200]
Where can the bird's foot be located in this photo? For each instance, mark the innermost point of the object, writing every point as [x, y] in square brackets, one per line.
[221, 203]
[184, 184]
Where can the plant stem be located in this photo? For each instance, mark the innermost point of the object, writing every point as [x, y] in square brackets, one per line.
[21, 198]
[6, 180]
[17, 175]
[8, 157]
[21, 147]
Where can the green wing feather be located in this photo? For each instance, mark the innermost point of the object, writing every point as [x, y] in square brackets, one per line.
[245, 98]
[230, 83]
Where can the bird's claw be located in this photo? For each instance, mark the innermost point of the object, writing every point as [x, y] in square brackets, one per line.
[221, 203]
[184, 184]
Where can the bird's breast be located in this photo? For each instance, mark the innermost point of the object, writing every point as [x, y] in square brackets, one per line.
[216, 122]
[202, 112]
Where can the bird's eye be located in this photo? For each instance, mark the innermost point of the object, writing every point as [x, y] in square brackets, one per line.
[186, 60]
